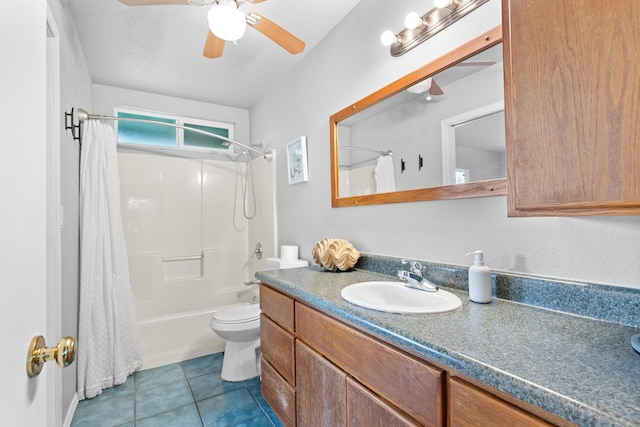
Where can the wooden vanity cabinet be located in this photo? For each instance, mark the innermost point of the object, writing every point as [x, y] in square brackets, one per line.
[319, 371]
[572, 100]
[277, 344]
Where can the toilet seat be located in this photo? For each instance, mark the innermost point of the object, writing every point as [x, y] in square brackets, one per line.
[240, 314]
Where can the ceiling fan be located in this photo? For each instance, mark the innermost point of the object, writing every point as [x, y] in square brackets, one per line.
[430, 86]
[228, 23]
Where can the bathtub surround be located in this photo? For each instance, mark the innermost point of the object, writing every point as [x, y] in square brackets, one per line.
[189, 247]
[108, 343]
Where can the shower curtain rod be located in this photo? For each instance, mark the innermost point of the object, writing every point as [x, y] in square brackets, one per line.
[355, 147]
[82, 116]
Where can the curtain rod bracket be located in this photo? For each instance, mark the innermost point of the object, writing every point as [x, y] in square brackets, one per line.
[70, 125]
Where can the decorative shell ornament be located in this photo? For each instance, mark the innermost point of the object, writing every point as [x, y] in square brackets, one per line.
[335, 254]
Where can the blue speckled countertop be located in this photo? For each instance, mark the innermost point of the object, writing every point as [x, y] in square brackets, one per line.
[581, 369]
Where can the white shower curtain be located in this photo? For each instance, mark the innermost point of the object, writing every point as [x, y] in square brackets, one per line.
[385, 175]
[108, 344]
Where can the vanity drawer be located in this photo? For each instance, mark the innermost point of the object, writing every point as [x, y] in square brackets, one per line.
[469, 406]
[410, 384]
[278, 348]
[367, 409]
[277, 306]
[278, 394]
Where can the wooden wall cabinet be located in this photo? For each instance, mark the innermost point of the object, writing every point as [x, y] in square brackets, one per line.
[572, 102]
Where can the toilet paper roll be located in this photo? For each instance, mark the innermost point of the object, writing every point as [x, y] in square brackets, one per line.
[289, 252]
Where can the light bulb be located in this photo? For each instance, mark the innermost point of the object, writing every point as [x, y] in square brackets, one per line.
[420, 87]
[442, 3]
[227, 22]
[388, 38]
[412, 20]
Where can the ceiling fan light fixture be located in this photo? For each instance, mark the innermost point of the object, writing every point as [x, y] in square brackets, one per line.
[226, 21]
[420, 87]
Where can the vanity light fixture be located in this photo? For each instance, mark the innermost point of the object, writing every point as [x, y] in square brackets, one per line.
[442, 3]
[420, 28]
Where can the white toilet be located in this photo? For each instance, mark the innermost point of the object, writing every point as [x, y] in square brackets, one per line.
[240, 327]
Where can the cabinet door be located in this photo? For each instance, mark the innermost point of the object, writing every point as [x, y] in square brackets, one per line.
[410, 384]
[471, 407]
[279, 394]
[365, 409]
[320, 391]
[572, 97]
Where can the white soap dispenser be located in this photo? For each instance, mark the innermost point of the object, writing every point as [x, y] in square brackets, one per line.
[479, 279]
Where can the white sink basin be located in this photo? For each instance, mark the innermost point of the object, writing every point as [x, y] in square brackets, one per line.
[395, 297]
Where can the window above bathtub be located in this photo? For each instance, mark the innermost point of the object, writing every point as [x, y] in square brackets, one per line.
[154, 137]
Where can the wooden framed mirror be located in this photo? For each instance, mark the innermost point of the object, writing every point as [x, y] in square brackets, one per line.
[406, 141]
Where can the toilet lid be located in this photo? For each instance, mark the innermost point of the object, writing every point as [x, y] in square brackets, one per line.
[241, 313]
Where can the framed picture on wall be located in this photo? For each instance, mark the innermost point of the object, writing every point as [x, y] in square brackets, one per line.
[297, 161]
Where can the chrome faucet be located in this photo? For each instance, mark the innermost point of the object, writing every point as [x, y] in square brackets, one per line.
[414, 279]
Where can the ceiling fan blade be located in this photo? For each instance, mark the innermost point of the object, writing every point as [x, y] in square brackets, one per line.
[153, 2]
[434, 89]
[213, 47]
[284, 38]
[255, 1]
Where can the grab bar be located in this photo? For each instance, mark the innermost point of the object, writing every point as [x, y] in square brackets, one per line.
[182, 258]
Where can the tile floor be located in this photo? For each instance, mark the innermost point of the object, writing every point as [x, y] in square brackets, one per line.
[186, 394]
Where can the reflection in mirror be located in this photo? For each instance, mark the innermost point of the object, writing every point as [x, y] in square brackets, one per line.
[416, 138]
[473, 146]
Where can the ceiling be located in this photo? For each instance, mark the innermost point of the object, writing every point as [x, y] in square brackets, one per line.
[158, 49]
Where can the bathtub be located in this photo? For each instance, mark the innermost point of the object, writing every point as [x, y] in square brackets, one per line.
[179, 336]
[175, 300]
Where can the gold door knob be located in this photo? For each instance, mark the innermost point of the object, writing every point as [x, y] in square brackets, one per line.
[64, 354]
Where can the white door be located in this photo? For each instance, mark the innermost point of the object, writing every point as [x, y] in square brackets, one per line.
[28, 216]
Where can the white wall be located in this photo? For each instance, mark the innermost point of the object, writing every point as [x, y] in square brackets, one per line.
[349, 64]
